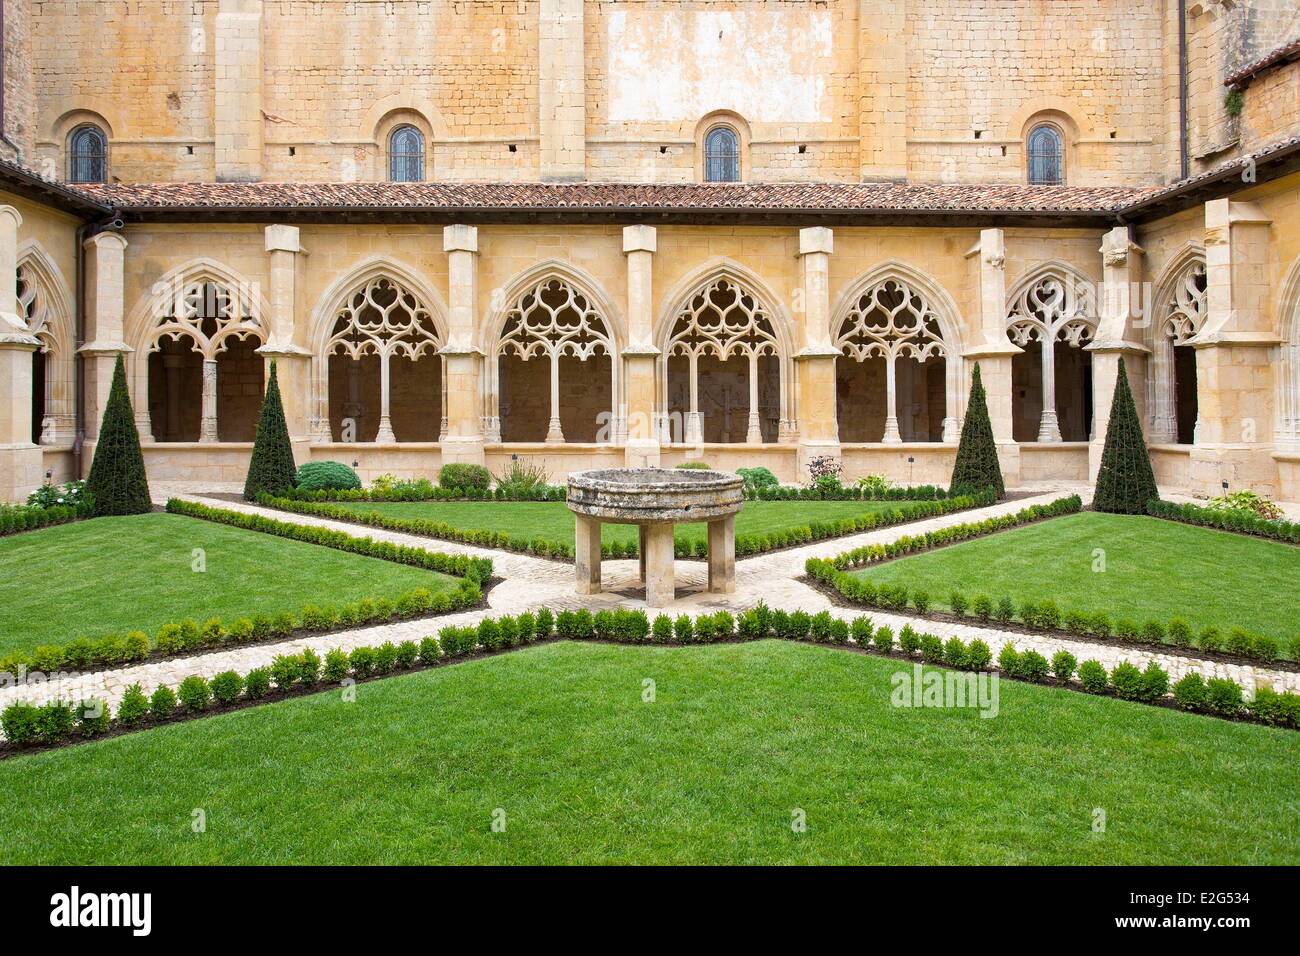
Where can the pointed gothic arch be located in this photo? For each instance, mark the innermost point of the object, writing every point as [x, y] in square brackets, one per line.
[553, 365]
[1053, 306]
[724, 342]
[1288, 395]
[376, 338]
[1179, 313]
[45, 305]
[891, 320]
[194, 365]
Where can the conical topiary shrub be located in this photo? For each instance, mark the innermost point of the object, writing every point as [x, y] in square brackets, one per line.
[1125, 481]
[117, 483]
[977, 465]
[271, 468]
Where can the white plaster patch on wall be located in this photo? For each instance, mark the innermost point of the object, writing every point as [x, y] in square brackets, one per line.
[768, 66]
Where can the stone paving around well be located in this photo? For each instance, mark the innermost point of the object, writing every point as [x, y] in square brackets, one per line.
[529, 583]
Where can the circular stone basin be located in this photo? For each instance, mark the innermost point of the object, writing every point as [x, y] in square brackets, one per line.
[635, 495]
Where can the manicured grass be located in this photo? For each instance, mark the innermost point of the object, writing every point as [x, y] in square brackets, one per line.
[110, 575]
[738, 737]
[1154, 569]
[553, 520]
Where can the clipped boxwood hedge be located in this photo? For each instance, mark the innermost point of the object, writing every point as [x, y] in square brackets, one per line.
[59, 723]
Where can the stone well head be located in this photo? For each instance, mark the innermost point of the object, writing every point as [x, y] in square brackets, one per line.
[636, 495]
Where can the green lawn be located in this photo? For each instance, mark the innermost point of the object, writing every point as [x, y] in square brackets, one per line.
[1153, 569]
[739, 737]
[110, 575]
[553, 520]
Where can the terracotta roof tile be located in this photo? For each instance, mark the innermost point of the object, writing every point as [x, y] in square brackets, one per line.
[1273, 58]
[829, 197]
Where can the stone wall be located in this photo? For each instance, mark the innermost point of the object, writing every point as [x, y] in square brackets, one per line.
[19, 134]
[617, 90]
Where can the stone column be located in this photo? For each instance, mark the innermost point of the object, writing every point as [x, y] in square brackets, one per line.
[385, 435]
[1049, 429]
[21, 467]
[238, 94]
[1234, 369]
[561, 92]
[892, 436]
[660, 580]
[586, 553]
[694, 423]
[464, 411]
[992, 348]
[105, 257]
[753, 433]
[208, 403]
[722, 555]
[555, 434]
[286, 344]
[882, 90]
[819, 433]
[1116, 337]
[639, 357]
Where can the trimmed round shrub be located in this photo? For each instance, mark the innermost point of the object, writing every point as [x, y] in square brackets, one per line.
[1092, 675]
[326, 476]
[465, 477]
[1190, 692]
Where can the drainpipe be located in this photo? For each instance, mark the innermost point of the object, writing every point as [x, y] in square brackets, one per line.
[79, 339]
[1183, 165]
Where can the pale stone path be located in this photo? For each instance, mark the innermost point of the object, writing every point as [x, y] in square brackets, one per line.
[530, 583]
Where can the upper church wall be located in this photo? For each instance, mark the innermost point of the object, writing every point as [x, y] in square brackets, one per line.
[612, 90]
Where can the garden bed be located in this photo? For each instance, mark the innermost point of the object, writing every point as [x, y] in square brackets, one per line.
[1094, 576]
[588, 770]
[105, 579]
[545, 529]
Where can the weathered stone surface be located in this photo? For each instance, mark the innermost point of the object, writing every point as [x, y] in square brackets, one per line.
[637, 495]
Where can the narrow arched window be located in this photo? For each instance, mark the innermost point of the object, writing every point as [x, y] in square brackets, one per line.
[1046, 156]
[721, 155]
[406, 155]
[87, 155]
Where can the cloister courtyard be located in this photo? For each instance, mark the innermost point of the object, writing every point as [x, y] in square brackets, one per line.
[315, 648]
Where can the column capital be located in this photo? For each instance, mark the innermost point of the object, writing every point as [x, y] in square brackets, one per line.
[639, 238]
[460, 237]
[102, 241]
[816, 239]
[1116, 247]
[282, 238]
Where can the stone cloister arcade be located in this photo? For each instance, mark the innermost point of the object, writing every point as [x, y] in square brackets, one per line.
[875, 369]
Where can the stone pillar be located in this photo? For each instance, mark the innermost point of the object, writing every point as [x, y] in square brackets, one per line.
[286, 344]
[1049, 428]
[385, 435]
[660, 574]
[882, 90]
[1116, 338]
[1234, 372]
[819, 433]
[641, 410]
[21, 466]
[208, 403]
[993, 349]
[555, 434]
[238, 94]
[722, 555]
[753, 431]
[105, 257]
[561, 93]
[586, 553]
[464, 411]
